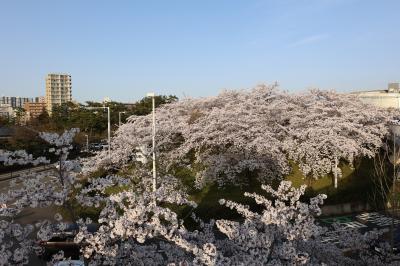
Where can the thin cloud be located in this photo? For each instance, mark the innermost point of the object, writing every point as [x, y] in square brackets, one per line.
[309, 40]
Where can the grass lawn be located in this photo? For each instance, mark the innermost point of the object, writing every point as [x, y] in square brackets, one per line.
[354, 186]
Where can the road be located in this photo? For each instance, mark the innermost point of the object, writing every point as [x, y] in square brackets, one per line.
[31, 215]
[363, 222]
[5, 179]
[36, 169]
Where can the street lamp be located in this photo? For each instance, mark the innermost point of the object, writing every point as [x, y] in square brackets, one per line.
[108, 124]
[395, 128]
[87, 142]
[152, 95]
[119, 117]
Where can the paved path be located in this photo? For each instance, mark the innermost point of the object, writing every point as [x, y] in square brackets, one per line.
[37, 169]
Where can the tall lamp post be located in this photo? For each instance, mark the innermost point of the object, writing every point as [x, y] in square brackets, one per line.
[395, 128]
[152, 95]
[119, 117]
[108, 125]
[87, 142]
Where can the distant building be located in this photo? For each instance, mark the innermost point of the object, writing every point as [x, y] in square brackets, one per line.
[389, 98]
[129, 106]
[106, 100]
[393, 87]
[380, 98]
[40, 99]
[34, 109]
[15, 102]
[58, 90]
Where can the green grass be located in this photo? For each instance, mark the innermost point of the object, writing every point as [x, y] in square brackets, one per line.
[354, 186]
[115, 189]
[297, 178]
[208, 197]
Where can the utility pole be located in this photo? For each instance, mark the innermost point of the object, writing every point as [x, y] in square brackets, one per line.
[119, 117]
[109, 132]
[395, 129]
[154, 141]
[87, 142]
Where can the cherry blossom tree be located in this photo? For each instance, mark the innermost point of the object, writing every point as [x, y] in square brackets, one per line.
[286, 233]
[135, 231]
[35, 190]
[327, 127]
[259, 131]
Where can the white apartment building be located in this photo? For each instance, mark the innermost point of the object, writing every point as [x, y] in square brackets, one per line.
[389, 98]
[58, 90]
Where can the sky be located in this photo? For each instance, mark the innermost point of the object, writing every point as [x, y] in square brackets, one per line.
[124, 49]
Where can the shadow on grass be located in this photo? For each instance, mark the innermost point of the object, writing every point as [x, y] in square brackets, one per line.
[355, 185]
[208, 198]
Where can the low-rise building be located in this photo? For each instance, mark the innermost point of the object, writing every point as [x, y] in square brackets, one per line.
[34, 109]
[40, 99]
[389, 98]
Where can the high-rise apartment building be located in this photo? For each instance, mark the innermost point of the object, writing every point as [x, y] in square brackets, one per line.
[58, 90]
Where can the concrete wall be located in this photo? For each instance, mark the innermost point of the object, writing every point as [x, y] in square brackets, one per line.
[381, 99]
[345, 208]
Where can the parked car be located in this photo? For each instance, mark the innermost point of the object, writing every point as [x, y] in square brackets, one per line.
[95, 147]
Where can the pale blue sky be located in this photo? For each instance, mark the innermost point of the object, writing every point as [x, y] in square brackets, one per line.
[123, 49]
